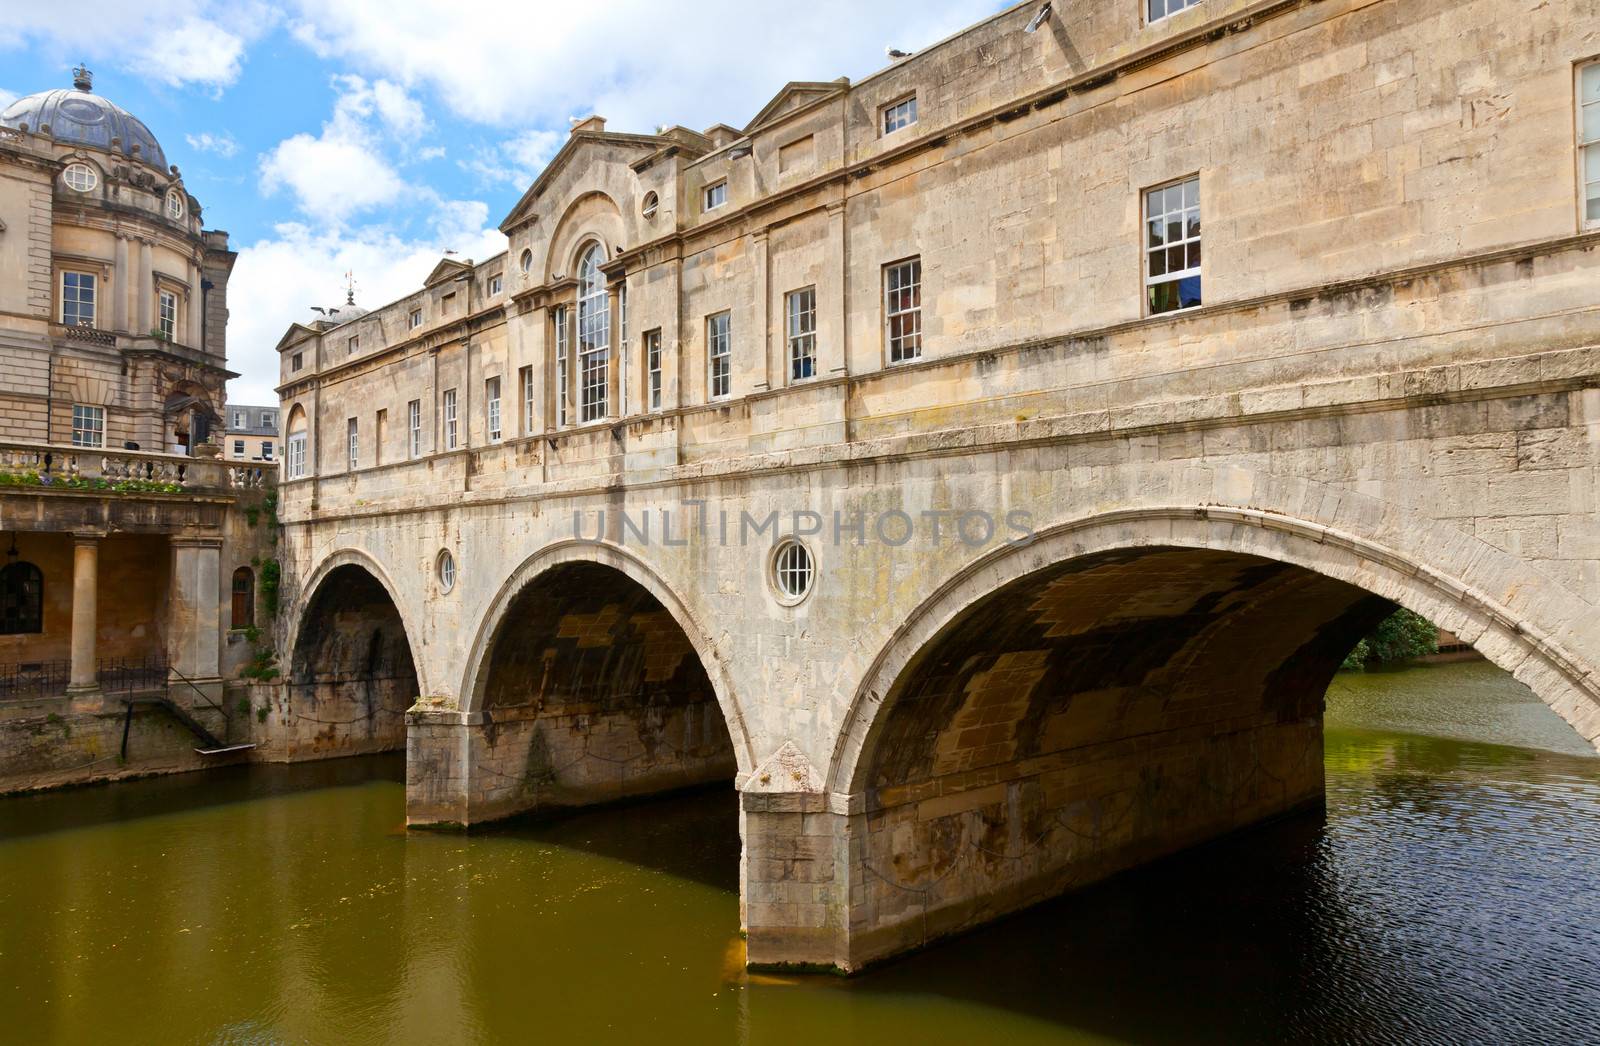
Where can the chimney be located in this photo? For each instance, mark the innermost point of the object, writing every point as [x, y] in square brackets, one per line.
[596, 124]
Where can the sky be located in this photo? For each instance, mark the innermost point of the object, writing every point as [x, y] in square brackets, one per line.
[370, 136]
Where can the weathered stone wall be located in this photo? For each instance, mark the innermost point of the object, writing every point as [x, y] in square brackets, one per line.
[49, 743]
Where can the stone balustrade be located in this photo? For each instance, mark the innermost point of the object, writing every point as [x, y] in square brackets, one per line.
[44, 465]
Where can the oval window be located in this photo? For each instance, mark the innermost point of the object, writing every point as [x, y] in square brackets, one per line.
[526, 261]
[80, 177]
[792, 571]
[174, 204]
[447, 570]
[651, 202]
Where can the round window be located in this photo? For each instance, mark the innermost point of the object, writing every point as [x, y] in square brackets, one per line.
[651, 202]
[80, 177]
[447, 570]
[526, 261]
[174, 204]
[792, 571]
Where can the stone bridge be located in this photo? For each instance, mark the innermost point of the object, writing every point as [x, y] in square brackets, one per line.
[1056, 596]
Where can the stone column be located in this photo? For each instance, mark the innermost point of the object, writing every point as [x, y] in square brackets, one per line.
[144, 289]
[120, 280]
[832, 348]
[195, 608]
[85, 593]
[196, 297]
[614, 353]
[761, 315]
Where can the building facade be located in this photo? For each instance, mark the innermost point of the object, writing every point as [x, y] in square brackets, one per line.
[252, 434]
[985, 464]
[130, 564]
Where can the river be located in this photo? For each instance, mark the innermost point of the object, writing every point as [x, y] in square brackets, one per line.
[1451, 892]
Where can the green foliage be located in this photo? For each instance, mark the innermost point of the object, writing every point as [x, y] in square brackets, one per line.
[1398, 637]
[263, 665]
[121, 486]
[271, 577]
[262, 712]
[244, 706]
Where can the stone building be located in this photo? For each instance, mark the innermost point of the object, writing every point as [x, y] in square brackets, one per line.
[902, 457]
[129, 567]
[251, 434]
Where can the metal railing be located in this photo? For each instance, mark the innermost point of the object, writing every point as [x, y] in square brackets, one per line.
[36, 679]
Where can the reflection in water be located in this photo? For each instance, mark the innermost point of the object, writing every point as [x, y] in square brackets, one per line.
[1448, 894]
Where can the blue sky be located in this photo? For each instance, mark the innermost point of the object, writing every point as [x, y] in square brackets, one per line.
[371, 135]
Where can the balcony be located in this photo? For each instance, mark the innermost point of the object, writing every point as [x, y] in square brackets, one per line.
[37, 467]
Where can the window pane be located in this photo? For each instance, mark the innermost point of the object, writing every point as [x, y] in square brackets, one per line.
[1591, 164]
[1591, 122]
[1191, 192]
[1154, 228]
[1194, 256]
[1594, 203]
[1193, 222]
[1158, 263]
[1590, 89]
[1174, 259]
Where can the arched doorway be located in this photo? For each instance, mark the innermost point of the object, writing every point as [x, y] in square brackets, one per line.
[589, 691]
[352, 676]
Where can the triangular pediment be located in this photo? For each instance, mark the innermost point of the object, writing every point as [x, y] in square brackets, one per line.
[578, 145]
[447, 269]
[795, 95]
[296, 333]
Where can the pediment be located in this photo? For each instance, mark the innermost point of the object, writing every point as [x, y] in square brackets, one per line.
[447, 269]
[297, 333]
[795, 95]
[580, 145]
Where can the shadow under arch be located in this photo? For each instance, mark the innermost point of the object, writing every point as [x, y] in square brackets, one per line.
[1515, 644]
[314, 583]
[1122, 687]
[571, 552]
[352, 674]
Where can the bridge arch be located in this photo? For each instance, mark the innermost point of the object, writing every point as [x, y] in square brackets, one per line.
[585, 645]
[352, 667]
[1122, 686]
[1528, 649]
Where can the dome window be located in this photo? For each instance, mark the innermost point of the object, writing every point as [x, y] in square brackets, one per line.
[80, 177]
[174, 205]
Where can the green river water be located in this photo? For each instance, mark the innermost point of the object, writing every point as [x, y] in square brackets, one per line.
[1451, 893]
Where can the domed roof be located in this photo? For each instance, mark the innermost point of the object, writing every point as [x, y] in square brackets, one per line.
[85, 119]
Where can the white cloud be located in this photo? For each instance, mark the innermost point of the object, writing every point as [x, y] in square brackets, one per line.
[344, 171]
[515, 162]
[631, 60]
[7, 97]
[172, 42]
[276, 281]
[206, 142]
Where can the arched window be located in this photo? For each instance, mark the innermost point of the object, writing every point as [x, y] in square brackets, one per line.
[294, 453]
[21, 599]
[594, 336]
[244, 598]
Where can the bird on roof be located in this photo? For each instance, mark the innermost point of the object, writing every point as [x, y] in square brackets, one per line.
[897, 54]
